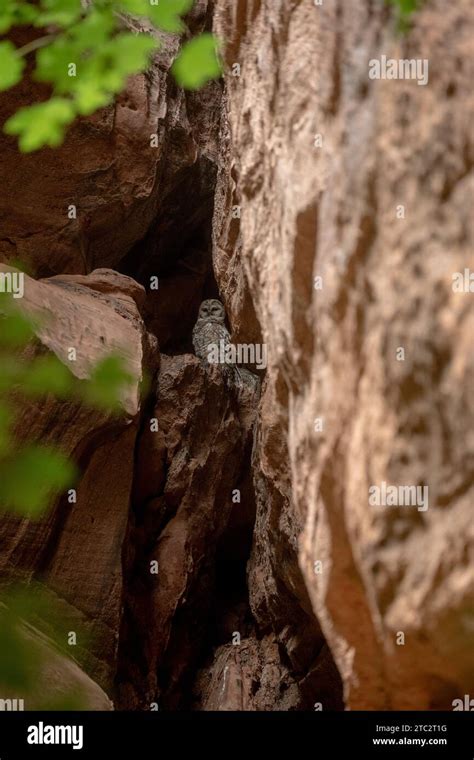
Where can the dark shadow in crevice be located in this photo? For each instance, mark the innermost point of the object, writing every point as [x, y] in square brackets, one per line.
[174, 260]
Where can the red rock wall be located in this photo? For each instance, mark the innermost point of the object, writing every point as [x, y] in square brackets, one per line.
[298, 169]
[329, 210]
[107, 167]
[76, 549]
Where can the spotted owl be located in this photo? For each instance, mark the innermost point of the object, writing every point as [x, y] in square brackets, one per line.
[210, 330]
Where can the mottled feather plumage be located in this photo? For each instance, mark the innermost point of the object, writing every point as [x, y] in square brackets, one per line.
[210, 330]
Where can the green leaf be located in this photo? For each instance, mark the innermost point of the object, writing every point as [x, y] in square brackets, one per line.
[94, 29]
[404, 11]
[167, 14]
[197, 62]
[107, 383]
[6, 420]
[19, 660]
[60, 12]
[101, 71]
[15, 13]
[54, 60]
[25, 13]
[32, 477]
[41, 124]
[88, 36]
[25, 656]
[406, 7]
[105, 73]
[10, 372]
[134, 7]
[89, 96]
[7, 15]
[131, 52]
[47, 374]
[11, 65]
[16, 330]
[22, 266]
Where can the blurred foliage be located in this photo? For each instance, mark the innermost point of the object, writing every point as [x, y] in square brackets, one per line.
[34, 629]
[404, 10]
[85, 53]
[104, 388]
[31, 476]
[198, 63]
[19, 662]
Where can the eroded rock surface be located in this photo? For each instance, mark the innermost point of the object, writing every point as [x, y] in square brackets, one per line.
[76, 549]
[182, 503]
[252, 676]
[379, 207]
[341, 211]
[58, 682]
[116, 167]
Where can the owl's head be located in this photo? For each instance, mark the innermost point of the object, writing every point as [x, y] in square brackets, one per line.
[212, 310]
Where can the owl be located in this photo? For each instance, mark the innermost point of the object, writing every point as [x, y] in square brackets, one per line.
[210, 330]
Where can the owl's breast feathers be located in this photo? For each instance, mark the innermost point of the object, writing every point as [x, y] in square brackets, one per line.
[208, 333]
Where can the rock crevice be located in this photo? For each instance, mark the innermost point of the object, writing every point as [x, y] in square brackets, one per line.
[223, 553]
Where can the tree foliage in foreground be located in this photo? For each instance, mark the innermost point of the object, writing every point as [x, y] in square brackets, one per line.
[85, 52]
[31, 476]
[404, 10]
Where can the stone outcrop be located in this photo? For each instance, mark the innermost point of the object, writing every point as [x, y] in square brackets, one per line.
[76, 550]
[187, 472]
[366, 185]
[203, 644]
[58, 682]
[253, 677]
[108, 167]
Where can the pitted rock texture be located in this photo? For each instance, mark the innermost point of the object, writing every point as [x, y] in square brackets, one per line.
[251, 676]
[182, 503]
[320, 159]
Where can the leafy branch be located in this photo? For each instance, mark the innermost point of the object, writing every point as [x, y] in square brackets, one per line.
[86, 57]
[33, 474]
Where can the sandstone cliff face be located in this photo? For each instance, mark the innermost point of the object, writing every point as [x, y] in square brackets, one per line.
[329, 212]
[201, 644]
[182, 503]
[337, 400]
[76, 551]
[109, 168]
